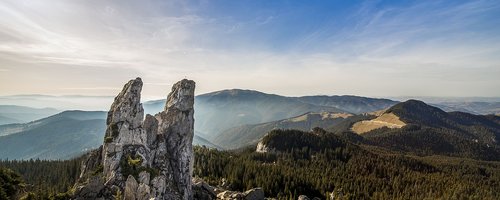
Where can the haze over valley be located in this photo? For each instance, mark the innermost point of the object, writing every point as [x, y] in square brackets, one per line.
[226, 119]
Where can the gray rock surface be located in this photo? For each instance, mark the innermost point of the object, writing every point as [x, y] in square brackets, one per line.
[173, 150]
[143, 159]
[204, 191]
[201, 190]
[254, 194]
[131, 187]
[143, 192]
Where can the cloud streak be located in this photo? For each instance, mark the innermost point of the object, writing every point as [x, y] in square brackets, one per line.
[372, 48]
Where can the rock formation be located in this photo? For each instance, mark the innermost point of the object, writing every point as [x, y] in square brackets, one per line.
[262, 148]
[204, 191]
[150, 158]
[143, 159]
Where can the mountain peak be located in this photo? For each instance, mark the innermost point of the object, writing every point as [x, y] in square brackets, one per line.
[415, 111]
[413, 104]
[233, 92]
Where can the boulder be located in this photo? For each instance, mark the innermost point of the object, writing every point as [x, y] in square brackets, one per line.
[130, 188]
[143, 192]
[254, 194]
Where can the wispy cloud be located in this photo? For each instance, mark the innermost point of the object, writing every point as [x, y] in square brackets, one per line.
[374, 48]
[91, 88]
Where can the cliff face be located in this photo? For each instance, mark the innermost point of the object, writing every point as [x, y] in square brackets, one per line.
[143, 159]
[262, 148]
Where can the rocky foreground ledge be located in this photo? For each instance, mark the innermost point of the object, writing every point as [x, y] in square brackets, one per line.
[148, 157]
[202, 190]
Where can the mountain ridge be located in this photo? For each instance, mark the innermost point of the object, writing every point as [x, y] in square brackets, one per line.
[235, 107]
[250, 134]
[20, 114]
[430, 130]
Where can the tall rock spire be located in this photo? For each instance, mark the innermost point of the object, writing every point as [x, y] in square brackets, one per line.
[123, 127]
[127, 105]
[175, 125]
[143, 159]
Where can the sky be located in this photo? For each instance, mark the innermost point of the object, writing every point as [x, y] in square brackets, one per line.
[296, 47]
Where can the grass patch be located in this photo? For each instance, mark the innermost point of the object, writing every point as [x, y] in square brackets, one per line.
[132, 166]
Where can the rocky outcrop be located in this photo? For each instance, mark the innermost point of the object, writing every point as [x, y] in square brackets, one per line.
[143, 159]
[254, 194]
[201, 190]
[262, 148]
[206, 192]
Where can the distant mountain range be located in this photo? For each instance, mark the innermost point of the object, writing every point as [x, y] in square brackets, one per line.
[219, 111]
[475, 105]
[200, 141]
[61, 136]
[9, 129]
[480, 108]
[352, 104]
[64, 102]
[235, 118]
[10, 114]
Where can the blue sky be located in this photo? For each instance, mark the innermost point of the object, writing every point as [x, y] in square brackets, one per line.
[369, 48]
